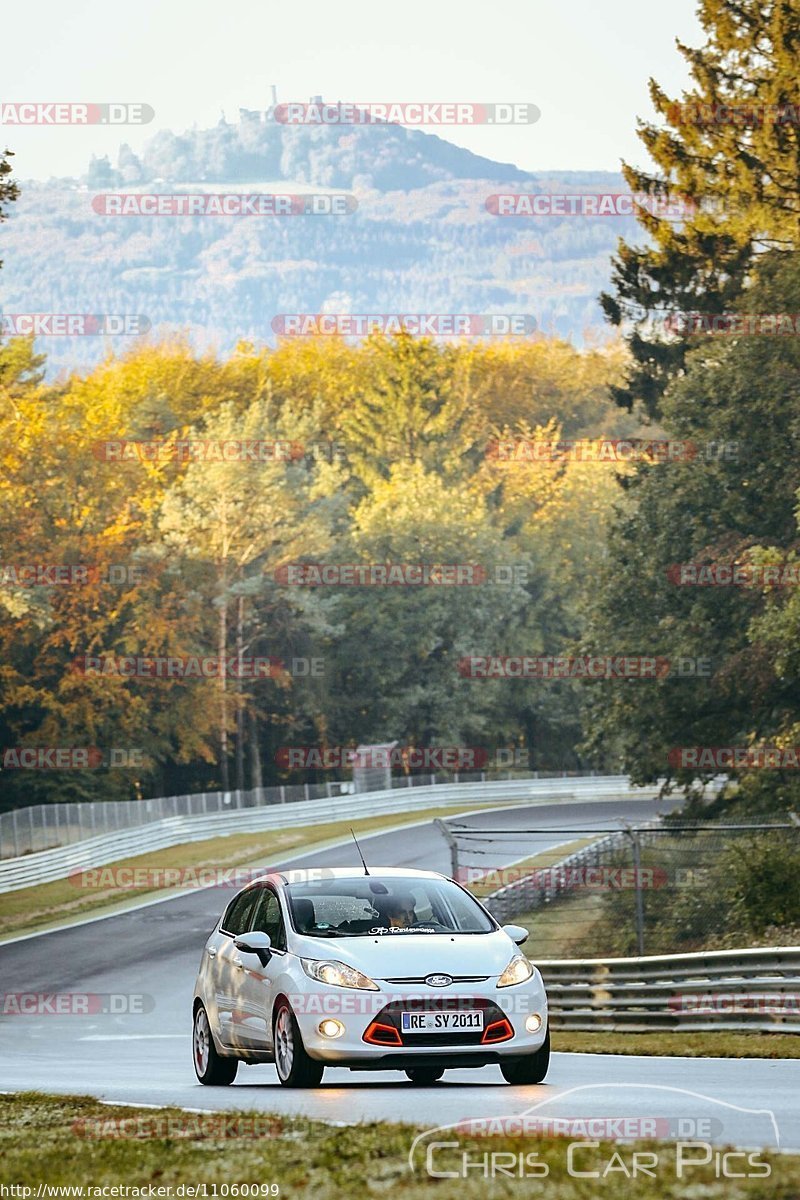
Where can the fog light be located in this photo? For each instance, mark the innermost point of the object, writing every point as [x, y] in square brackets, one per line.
[533, 1023]
[330, 1028]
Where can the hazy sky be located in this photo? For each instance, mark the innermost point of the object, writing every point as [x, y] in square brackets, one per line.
[584, 63]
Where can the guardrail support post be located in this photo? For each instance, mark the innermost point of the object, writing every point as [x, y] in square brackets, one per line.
[452, 843]
[637, 860]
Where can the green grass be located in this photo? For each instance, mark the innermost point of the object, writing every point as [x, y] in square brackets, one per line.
[41, 1143]
[498, 877]
[45, 904]
[725, 1044]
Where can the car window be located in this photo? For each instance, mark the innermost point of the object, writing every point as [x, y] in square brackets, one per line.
[267, 918]
[240, 911]
[364, 906]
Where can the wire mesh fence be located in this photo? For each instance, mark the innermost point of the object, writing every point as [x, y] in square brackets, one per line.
[46, 826]
[654, 889]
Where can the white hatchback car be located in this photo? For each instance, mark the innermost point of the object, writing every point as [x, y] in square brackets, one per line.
[391, 970]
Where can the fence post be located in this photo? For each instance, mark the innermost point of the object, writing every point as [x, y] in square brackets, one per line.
[452, 843]
[637, 856]
[15, 832]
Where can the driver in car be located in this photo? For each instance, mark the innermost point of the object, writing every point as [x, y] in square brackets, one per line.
[399, 911]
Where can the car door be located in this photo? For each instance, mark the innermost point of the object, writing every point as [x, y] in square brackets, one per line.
[229, 969]
[257, 981]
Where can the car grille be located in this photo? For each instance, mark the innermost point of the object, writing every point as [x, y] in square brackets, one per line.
[418, 979]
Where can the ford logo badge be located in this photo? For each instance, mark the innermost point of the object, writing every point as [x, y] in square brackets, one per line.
[438, 980]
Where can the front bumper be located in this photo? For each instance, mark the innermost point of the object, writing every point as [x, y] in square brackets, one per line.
[369, 1017]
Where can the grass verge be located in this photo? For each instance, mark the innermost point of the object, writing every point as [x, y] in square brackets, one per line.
[45, 904]
[725, 1044]
[43, 1141]
[499, 877]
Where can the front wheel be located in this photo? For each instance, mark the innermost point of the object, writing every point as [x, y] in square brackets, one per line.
[530, 1069]
[294, 1067]
[424, 1075]
[209, 1066]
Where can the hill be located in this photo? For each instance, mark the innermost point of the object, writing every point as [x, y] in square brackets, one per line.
[421, 239]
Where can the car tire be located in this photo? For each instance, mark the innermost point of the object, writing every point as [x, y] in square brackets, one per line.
[294, 1067]
[424, 1075]
[209, 1066]
[530, 1069]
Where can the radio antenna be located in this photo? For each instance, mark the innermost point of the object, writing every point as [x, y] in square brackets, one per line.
[360, 855]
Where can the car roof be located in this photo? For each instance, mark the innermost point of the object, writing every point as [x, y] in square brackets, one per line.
[321, 873]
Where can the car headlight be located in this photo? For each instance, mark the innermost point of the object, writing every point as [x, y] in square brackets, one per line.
[517, 971]
[326, 970]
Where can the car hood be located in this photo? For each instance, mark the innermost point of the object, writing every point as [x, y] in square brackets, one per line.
[415, 955]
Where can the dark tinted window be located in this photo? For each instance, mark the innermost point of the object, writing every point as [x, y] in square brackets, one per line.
[268, 918]
[240, 911]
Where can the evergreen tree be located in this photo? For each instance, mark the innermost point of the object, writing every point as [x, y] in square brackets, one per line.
[730, 148]
[8, 188]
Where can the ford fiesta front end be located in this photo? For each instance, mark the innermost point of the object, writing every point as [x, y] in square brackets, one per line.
[391, 970]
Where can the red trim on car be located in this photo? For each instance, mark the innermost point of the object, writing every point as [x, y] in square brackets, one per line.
[497, 1031]
[382, 1035]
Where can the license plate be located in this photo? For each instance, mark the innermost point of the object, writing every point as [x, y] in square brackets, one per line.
[441, 1022]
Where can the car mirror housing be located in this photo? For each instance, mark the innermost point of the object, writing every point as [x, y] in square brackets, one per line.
[255, 943]
[517, 934]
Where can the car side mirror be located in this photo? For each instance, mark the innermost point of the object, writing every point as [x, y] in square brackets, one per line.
[516, 933]
[255, 943]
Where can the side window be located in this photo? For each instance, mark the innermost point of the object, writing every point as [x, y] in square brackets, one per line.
[239, 911]
[268, 918]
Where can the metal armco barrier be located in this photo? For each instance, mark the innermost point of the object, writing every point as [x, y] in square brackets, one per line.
[47, 865]
[718, 989]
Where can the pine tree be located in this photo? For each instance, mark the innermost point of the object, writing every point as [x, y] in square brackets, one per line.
[731, 148]
[8, 188]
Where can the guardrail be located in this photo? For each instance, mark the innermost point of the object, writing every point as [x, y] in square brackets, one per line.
[45, 866]
[719, 989]
[46, 826]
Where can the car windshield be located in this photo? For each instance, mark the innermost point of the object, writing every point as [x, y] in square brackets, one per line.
[386, 907]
